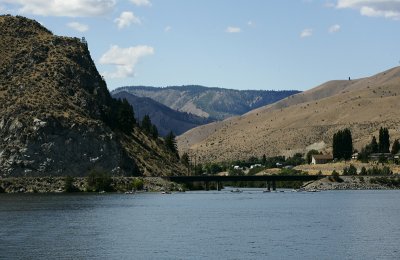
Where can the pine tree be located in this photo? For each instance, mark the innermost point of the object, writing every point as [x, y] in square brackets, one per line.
[374, 147]
[185, 160]
[146, 124]
[342, 145]
[125, 117]
[395, 146]
[170, 143]
[154, 131]
[384, 142]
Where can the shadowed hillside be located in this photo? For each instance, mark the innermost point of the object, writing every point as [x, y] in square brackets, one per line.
[212, 103]
[303, 121]
[165, 118]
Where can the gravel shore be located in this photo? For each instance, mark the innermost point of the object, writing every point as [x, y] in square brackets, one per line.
[56, 184]
[351, 183]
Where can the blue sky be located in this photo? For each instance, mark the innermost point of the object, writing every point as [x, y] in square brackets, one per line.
[239, 44]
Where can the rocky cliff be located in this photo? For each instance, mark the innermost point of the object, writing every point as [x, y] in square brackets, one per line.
[52, 107]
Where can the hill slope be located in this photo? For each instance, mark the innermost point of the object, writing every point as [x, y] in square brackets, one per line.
[165, 118]
[213, 103]
[53, 104]
[303, 121]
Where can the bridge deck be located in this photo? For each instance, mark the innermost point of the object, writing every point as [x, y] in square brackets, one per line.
[216, 178]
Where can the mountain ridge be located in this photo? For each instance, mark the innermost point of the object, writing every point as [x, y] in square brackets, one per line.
[303, 120]
[213, 103]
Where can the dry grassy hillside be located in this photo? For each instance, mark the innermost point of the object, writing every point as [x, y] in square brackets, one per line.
[304, 120]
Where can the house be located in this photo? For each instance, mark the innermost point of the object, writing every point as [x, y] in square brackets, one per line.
[255, 165]
[378, 156]
[321, 158]
[355, 156]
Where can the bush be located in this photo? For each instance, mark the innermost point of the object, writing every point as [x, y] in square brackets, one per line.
[137, 184]
[351, 170]
[335, 177]
[98, 180]
[69, 184]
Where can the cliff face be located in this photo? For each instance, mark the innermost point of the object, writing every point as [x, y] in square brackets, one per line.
[52, 107]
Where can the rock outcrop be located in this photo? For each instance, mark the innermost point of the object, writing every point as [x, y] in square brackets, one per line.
[52, 107]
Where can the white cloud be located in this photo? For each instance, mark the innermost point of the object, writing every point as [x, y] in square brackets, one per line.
[126, 19]
[70, 8]
[373, 8]
[231, 29]
[125, 59]
[306, 33]
[250, 23]
[78, 26]
[167, 28]
[141, 2]
[334, 28]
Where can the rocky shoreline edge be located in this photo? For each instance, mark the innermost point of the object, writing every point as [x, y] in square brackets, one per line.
[57, 184]
[158, 184]
[355, 183]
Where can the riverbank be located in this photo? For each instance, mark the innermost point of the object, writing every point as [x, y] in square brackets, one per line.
[355, 183]
[57, 184]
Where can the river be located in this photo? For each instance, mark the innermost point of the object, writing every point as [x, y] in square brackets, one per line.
[201, 225]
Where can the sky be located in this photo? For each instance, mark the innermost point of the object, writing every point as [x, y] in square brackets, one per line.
[237, 44]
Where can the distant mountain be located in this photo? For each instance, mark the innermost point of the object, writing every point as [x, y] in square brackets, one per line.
[165, 118]
[304, 121]
[57, 116]
[212, 103]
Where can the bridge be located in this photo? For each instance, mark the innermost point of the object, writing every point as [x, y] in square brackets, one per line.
[270, 179]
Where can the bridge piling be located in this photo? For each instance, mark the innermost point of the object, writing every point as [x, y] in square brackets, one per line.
[206, 184]
[218, 186]
[273, 185]
[269, 185]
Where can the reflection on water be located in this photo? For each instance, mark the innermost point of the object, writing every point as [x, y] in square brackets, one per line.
[202, 225]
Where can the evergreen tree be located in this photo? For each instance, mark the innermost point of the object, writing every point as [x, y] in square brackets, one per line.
[154, 131]
[374, 147]
[395, 146]
[384, 142]
[125, 117]
[185, 160]
[264, 159]
[146, 124]
[342, 145]
[170, 143]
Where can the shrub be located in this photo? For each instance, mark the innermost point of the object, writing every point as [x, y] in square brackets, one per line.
[137, 184]
[351, 170]
[69, 184]
[99, 180]
[335, 177]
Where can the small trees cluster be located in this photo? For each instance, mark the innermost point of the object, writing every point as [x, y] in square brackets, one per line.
[99, 180]
[381, 147]
[120, 116]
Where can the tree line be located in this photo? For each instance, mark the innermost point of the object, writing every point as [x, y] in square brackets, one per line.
[120, 116]
[342, 145]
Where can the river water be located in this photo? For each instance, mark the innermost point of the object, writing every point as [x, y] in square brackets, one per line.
[202, 225]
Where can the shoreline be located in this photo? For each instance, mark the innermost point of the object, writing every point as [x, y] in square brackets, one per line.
[33, 185]
[57, 184]
[354, 183]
